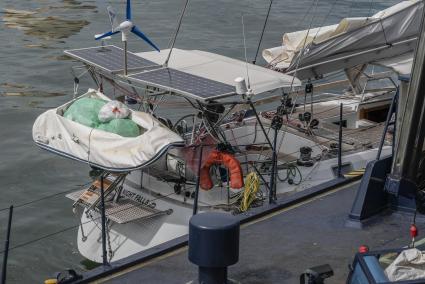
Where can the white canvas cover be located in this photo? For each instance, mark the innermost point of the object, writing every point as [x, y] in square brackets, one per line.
[402, 64]
[109, 151]
[352, 42]
[409, 265]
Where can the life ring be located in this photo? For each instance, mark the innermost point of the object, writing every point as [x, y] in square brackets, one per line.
[229, 161]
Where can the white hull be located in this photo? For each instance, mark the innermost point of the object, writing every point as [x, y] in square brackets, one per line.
[128, 239]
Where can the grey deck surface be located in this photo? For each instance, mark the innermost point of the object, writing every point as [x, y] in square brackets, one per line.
[278, 249]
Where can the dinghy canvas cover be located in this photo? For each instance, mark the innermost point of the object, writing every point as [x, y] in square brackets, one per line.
[98, 148]
[354, 41]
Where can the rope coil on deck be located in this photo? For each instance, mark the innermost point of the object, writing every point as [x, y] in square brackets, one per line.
[249, 195]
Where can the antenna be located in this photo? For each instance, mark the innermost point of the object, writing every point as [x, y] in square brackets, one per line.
[246, 58]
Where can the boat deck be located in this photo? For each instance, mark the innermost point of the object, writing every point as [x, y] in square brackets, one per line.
[365, 136]
[277, 248]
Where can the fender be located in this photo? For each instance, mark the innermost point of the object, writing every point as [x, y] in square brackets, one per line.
[229, 161]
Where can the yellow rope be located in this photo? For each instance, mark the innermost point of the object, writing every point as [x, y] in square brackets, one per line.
[252, 185]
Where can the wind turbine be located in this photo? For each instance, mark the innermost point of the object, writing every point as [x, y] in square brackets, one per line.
[125, 28]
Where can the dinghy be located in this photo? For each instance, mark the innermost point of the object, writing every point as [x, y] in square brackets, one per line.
[98, 148]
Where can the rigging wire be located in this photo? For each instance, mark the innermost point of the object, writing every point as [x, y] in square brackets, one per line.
[324, 19]
[295, 74]
[74, 227]
[371, 5]
[275, 61]
[262, 32]
[176, 32]
[46, 197]
[302, 50]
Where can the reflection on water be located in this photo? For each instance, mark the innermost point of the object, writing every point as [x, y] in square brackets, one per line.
[20, 90]
[49, 22]
[46, 28]
[32, 94]
[34, 35]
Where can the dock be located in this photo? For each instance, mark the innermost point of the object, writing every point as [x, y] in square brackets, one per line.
[276, 246]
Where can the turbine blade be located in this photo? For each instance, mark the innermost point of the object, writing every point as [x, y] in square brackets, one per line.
[128, 9]
[112, 17]
[106, 35]
[139, 33]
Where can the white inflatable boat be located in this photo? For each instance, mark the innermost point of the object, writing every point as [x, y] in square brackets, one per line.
[101, 149]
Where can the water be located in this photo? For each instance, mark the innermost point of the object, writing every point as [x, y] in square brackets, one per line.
[36, 76]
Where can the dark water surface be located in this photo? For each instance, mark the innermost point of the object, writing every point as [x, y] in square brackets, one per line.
[35, 76]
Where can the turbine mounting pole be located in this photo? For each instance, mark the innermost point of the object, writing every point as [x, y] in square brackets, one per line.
[125, 28]
[125, 55]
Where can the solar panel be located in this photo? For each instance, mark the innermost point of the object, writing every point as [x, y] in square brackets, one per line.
[193, 86]
[109, 58]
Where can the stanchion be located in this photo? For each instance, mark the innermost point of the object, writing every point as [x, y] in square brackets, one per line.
[277, 123]
[198, 180]
[6, 247]
[340, 141]
[102, 200]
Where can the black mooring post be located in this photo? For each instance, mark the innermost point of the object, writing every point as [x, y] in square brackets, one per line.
[102, 200]
[387, 123]
[6, 247]
[213, 245]
[340, 141]
[198, 180]
[276, 125]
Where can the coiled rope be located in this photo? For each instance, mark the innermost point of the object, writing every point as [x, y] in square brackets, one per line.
[249, 195]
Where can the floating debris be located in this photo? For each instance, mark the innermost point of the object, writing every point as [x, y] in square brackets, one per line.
[35, 104]
[13, 85]
[59, 58]
[42, 46]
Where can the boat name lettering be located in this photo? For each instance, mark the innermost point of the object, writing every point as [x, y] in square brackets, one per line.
[138, 198]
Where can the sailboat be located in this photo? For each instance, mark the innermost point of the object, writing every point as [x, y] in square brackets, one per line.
[224, 154]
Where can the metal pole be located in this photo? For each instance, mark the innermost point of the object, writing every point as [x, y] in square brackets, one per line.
[262, 32]
[311, 103]
[198, 180]
[228, 187]
[276, 125]
[173, 41]
[125, 59]
[340, 141]
[395, 130]
[411, 130]
[102, 200]
[387, 123]
[6, 247]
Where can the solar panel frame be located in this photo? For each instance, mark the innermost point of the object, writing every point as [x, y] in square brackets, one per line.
[116, 59]
[215, 89]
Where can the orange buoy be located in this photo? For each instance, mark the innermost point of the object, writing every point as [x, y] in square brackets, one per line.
[229, 161]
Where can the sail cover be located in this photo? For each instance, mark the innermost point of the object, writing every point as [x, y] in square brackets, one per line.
[98, 148]
[352, 42]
